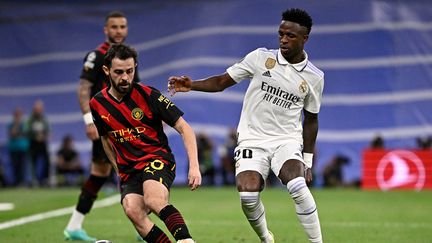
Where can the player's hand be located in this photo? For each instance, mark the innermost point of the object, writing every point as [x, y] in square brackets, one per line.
[308, 176]
[194, 178]
[179, 84]
[92, 132]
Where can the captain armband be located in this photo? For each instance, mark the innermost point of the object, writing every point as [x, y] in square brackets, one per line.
[308, 158]
[88, 118]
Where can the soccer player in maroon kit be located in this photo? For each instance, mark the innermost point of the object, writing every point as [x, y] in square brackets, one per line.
[93, 80]
[129, 117]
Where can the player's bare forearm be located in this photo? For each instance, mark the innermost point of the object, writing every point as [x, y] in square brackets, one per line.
[310, 131]
[110, 152]
[211, 84]
[189, 140]
[84, 99]
[84, 95]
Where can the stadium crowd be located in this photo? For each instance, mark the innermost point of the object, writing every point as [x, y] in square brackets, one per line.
[26, 159]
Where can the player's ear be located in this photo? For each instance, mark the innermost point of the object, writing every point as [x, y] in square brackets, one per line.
[105, 30]
[106, 70]
[305, 38]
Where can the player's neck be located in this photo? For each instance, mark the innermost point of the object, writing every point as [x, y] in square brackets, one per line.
[297, 58]
[115, 94]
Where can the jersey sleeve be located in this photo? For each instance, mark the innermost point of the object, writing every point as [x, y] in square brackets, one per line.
[245, 68]
[313, 99]
[93, 63]
[164, 107]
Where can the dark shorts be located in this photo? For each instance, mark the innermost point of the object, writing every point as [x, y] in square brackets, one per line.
[156, 170]
[98, 153]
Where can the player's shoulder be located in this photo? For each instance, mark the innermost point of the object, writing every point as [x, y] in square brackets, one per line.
[314, 70]
[98, 97]
[260, 55]
[147, 89]
[101, 94]
[99, 51]
[103, 48]
[93, 59]
[263, 51]
[94, 55]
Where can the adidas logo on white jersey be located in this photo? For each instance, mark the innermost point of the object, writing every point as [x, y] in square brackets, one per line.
[266, 73]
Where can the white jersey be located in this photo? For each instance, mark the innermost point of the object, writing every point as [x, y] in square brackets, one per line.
[277, 93]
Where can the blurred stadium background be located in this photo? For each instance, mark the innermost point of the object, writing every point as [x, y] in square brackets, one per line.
[376, 55]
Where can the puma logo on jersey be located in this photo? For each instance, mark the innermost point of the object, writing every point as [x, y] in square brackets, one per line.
[267, 74]
[106, 117]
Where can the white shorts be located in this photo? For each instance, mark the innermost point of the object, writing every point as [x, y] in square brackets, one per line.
[272, 156]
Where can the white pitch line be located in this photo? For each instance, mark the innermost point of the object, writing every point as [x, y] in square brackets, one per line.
[55, 213]
[350, 224]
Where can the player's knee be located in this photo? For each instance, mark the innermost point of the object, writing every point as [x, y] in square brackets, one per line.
[248, 187]
[101, 168]
[290, 170]
[249, 181]
[132, 211]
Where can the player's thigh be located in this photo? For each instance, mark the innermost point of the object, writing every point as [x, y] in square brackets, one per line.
[287, 162]
[156, 195]
[252, 168]
[100, 169]
[133, 185]
[157, 180]
[100, 165]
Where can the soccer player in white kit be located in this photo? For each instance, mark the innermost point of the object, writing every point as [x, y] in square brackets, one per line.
[278, 124]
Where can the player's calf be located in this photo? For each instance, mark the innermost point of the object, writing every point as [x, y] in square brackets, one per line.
[306, 208]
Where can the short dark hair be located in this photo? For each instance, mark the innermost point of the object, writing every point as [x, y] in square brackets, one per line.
[298, 16]
[114, 14]
[121, 51]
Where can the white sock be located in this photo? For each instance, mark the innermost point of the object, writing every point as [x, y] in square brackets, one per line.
[76, 220]
[306, 209]
[188, 240]
[254, 211]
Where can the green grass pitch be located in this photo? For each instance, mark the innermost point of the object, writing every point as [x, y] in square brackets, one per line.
[214, 216]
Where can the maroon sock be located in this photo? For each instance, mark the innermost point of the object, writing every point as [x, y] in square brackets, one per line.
[89, 193]
[174, 222]
[156, 235]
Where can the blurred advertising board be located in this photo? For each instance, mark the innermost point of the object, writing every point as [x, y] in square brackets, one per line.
[397, 169]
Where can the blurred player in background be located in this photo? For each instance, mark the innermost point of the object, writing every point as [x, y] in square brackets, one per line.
[129, 118]
[92, 80]
[38, 133]
[285, 89]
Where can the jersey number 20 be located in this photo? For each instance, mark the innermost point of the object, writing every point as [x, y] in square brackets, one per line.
[243, 154]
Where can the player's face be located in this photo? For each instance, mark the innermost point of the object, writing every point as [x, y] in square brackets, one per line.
[292, 38]
[121, 75]
[116, 29]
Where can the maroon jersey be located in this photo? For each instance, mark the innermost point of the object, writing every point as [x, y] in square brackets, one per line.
[92, 70]
[134, 126]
